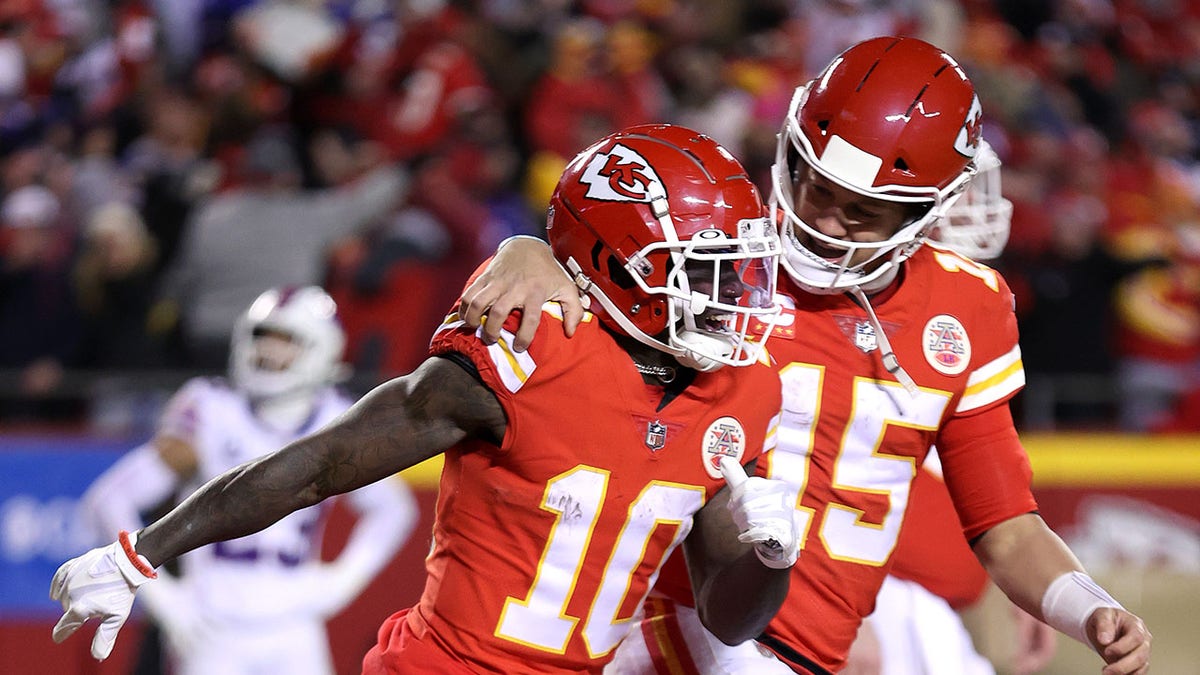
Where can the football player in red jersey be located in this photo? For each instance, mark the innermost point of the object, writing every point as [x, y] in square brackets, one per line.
[915, 626]
[572, 470]
[903, 347]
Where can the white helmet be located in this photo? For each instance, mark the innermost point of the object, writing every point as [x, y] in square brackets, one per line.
[289, 342]
[977, 225]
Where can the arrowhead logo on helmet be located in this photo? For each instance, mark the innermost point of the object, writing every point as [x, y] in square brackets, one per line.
[967, 141]
[620, 175]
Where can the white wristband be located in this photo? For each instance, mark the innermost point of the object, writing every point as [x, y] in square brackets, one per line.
[1070, 601]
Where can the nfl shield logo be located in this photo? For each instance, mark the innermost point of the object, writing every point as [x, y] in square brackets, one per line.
[656, 435]
[864, 337]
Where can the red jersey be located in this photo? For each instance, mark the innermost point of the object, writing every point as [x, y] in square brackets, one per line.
[546, 545]
[852, 439]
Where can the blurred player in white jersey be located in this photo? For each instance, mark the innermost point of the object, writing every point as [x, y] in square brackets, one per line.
[257, 604]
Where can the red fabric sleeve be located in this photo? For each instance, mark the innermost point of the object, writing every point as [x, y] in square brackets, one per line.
[986, 469]
[932, 550]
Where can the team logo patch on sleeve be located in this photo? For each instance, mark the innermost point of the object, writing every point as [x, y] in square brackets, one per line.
[946, 345]
[725, 437]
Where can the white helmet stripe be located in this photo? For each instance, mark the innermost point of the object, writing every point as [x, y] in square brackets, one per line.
[852, 164]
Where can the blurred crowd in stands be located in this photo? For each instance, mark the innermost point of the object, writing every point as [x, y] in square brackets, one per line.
[164, 161]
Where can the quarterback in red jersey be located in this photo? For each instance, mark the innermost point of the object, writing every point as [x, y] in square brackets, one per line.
[903, 347]
[572, 470]
[915, 626]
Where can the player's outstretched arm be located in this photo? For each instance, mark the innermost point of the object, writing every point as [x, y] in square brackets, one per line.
[395, 426]
[740, 553]
[1032, 565]
[523, 274]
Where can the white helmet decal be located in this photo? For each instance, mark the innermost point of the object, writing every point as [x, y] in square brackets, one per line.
[967, 141]
[621, 175]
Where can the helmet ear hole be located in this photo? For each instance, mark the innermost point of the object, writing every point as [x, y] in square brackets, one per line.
[619, 275]
[597, 249]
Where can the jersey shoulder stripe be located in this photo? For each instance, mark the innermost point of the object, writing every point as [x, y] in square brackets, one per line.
[513, 367]
[994, 381]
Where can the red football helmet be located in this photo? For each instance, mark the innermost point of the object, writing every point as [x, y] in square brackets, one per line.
[891, 118]
[645, 219]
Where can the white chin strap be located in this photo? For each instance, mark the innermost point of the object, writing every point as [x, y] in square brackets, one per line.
[684, 353]
[821, 277]
[696, 345]
[890, 362]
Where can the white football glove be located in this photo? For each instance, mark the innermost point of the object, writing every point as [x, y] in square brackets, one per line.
[762, 510]
[100, 583]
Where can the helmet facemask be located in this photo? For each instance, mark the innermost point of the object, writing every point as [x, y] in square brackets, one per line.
[709, 319]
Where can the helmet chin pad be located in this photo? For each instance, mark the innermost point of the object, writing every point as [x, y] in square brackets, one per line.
[695, 345]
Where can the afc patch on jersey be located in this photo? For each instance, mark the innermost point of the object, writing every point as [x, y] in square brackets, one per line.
[946, 345]
[725, 437]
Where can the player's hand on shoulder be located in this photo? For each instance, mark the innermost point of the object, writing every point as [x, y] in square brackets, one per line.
[99, 584]
[522, 275]
[1122, 640]
[763, 511]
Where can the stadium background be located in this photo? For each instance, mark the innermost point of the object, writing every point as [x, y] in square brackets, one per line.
[1094, 106]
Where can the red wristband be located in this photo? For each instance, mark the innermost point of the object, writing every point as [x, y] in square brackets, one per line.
[138, 561]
